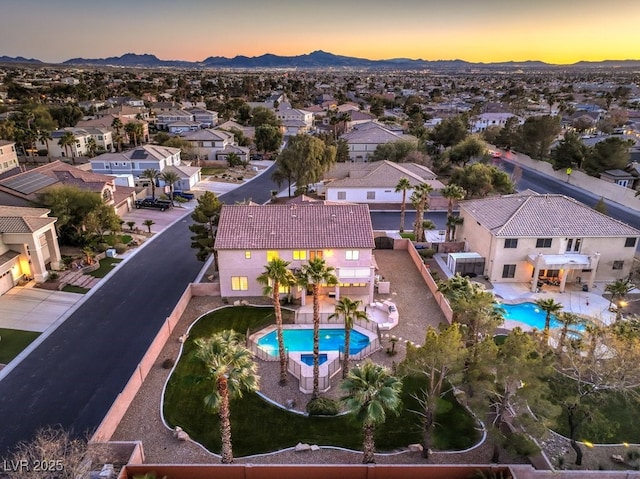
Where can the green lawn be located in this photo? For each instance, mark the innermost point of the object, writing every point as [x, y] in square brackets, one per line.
[13, 341]
[212, 171]
[106, 265]
[409, 236]
[261, 427]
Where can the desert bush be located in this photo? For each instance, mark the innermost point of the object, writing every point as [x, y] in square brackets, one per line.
[322, 407]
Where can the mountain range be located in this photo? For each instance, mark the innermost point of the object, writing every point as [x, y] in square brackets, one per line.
[317, 59]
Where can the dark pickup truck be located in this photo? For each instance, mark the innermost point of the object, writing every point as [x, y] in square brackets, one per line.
[153, 203]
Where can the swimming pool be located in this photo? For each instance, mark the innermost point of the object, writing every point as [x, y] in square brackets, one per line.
[531, 315]
[296, 340]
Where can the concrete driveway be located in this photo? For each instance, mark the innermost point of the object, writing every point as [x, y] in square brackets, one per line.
[161, 219]
[33, 309]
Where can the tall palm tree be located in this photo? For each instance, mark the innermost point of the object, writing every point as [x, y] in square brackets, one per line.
[44, 136]
[314, 274]
[275, 276]
[567, 319]
[403, 185]
[420, 200]
[348, 310]
[370, 393]
[92, 146]
[230, 366]
[619, 289]
[67, 140]
[117, 125]
[451, 192]
[130, 130]
[152, 175]
[452, 225]
[170, 178]
[550, 307]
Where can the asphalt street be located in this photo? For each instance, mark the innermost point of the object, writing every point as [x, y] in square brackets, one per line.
[76, 373]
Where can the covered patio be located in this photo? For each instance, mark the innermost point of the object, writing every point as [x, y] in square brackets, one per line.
[560, 268]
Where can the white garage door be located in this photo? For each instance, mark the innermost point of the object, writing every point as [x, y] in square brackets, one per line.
[6, 282]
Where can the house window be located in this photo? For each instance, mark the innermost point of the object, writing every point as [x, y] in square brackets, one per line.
[511, 242]
[315, 254]
[272, 254]
[573, 245]
[239, 283]
[618, 264]
[299, 254]
[353, 255]
[371, 195]
[509, 271]
[247, 255]
[630, 243]
[543, 242]
[342, 195]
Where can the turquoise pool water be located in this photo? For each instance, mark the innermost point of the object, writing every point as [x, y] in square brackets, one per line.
[308, 359]
[302, 340]
[531, 315]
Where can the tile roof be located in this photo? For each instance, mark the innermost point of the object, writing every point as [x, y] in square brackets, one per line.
[310, 226]
[380, 174]
[534, 215]
[371, 132]
[15, 219]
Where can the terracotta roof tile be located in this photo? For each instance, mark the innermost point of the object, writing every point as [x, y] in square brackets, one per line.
[310, 226]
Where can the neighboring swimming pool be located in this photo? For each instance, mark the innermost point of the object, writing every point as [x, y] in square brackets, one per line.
[531, 315]
[296, 340]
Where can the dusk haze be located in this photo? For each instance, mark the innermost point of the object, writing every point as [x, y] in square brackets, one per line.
[558, 31]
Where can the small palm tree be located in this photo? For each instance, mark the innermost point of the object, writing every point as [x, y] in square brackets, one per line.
[370, 393]
[403, 185]
[92, 146]
[149, 224]
[567, 320]
[452, 225]
[619, 289]
[152, 175]
[44, 136]
[314, 274]
[452, 192]
[420, 201]
[67, 140]
[131, 224]
[276, 275]
[170, 178]
[550, 307]
[231, 368]
[348, 310]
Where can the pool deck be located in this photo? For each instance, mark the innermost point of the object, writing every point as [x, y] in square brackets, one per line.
[574, 300]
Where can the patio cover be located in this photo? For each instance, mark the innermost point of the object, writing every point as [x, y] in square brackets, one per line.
[557, 261]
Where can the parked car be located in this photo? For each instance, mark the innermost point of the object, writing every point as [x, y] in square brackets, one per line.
[153, 203]
[184, 194]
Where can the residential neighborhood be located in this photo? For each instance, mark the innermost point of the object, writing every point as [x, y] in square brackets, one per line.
[239, 251]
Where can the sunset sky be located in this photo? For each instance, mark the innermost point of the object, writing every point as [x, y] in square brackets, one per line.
[555, 31]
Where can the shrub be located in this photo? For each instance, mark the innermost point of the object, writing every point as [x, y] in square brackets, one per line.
[102, 247]
[120, 248]
[126, 239]
[427, 253]
[168, 363]
[521, 445]
[67, 260]
[53, 276]
[322, 407]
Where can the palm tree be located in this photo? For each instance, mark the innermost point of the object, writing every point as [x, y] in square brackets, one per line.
[117, 125]
[567, 319]
[233, 159]
[44, 136]
[149, 224]
[315, 273]
[275, 276]
[170, 178]
[348, 309]
[452, 225]
[370, 393]
[230, 365]
[152, 175]
[420, 201]
[403, 185]
[130, 130]
[453, 193]
[619, 289]
[92, 146]
[68, 139]
[550, 307]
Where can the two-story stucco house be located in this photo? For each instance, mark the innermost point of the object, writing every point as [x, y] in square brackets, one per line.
[215, 144]
[492, 120]
[28, 244]
[250, 236]
[530, 237]
[376, 182]
[8, 156]
[365, 138]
